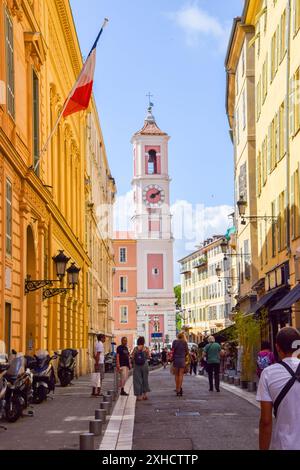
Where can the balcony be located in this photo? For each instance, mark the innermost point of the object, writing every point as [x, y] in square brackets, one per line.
[185, 270]
[200, 263]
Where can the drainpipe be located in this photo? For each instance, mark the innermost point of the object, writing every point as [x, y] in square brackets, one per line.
[287, 117]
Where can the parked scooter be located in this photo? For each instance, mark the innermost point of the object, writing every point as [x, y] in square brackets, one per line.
[18, 394]
[4, 365]
[66, 366]
[43, 375]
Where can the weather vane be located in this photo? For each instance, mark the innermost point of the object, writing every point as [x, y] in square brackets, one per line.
[149, 95]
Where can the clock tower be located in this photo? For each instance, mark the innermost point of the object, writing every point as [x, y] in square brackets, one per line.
[156, 313]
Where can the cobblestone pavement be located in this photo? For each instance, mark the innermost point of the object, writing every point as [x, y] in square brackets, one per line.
[56, 423]
[200, 420]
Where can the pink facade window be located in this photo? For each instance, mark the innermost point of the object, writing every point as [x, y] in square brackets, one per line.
[154, 225]
[155, 271]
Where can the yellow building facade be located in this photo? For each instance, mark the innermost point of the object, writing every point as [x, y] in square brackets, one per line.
[100, 192]
[207, 299]
[240, 106]
[42, 202]
[275, 44]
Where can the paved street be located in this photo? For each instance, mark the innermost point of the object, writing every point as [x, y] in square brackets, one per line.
[199, 420]
[56, 423]
[221, 421]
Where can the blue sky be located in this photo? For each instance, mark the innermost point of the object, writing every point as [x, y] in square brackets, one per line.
[176, 50]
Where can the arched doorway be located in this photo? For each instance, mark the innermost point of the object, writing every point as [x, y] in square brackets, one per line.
[31, 297]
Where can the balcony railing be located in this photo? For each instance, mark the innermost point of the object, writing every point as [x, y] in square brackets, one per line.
[200, 263]
[185, 270]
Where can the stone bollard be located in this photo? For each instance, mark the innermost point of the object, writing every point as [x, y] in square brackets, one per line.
[96, 427]
[226, 378]
[231, 380]
[106, 406]
[87, 441]
[100, 414]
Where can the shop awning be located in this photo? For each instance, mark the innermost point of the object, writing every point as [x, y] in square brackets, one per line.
[269, 299]
[289, 300]
[228, 334]
[263, 301]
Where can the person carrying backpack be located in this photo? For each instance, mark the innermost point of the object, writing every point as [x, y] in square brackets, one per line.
[140, 356]
[279, 392]
[265, 358]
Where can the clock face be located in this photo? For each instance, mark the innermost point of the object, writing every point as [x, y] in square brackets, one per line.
[153, 195]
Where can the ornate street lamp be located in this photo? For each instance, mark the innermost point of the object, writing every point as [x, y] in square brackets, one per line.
[242, 205]
[61, 261]
[73, 275]
[218, 271]
[224, 246]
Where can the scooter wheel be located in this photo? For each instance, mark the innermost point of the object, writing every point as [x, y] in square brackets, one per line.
[40, 395]
[13, 412]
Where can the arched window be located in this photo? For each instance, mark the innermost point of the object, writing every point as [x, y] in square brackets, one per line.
[152, 163]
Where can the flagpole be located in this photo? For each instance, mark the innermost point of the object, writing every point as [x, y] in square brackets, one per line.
[65, 105]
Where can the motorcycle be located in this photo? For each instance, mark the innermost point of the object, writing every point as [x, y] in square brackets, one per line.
[4, 365]
[43, 375]
[18, 394]
[66, 366]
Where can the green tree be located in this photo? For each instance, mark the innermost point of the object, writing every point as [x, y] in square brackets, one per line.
[177, 292]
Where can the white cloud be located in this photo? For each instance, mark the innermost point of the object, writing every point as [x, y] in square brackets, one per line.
[198, 25]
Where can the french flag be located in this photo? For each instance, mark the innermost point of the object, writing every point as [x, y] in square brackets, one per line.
[80, 94]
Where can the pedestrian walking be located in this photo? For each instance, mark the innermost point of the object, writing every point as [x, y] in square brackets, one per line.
[180, 353]
[194, 362]
[123, 363]
[213, 358]
[164, 357]
[279, 391]
[140, 358]
[98, 366]
[265, 358]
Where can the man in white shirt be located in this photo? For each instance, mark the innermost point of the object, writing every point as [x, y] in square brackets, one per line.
[274, 379]
[99, 355]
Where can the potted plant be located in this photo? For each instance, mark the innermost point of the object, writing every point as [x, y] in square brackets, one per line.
[249, 333]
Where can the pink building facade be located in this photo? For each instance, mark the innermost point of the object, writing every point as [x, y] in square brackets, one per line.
[125, 288]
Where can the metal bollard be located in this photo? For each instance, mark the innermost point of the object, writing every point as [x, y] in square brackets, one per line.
[96, 427]
[106, 406]
[100, 414]
[87, 441]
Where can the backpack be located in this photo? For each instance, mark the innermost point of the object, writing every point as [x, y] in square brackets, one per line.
[263, 361]
[139, 358]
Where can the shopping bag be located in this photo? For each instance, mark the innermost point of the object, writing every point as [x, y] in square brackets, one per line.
[95, 379]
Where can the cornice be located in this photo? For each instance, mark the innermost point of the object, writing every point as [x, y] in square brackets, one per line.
[67, 23]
